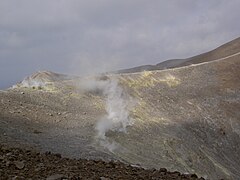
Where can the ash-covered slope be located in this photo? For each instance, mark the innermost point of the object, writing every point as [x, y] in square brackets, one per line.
[187, 119]
[228, 49]
[184, 119]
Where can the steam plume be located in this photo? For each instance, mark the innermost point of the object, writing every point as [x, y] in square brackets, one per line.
[117, 119]
[118, 104]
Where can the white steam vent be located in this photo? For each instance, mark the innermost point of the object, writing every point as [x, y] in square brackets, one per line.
[29, 82]
[39, 79]
[118, 104]
[117, 107]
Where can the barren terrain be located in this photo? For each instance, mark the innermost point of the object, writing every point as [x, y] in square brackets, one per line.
[185, 119]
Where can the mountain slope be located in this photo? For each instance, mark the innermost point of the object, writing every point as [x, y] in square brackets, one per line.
[225, 50]
[184, 119]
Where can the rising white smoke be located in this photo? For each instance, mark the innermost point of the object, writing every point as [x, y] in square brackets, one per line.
[117, 107]
[118, 104]
[29, 82]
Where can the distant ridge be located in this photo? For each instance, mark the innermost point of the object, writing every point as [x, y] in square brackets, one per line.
[225, 50]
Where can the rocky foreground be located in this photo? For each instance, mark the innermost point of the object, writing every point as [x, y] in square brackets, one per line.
[16, 163]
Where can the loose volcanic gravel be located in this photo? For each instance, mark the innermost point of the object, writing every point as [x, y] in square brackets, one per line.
[17, 163]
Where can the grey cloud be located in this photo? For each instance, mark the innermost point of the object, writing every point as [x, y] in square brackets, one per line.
[79, 37]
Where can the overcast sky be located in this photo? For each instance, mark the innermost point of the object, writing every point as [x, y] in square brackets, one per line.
[85, 36]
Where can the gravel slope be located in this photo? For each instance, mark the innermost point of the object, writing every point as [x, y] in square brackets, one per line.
[16, 163]
[185, 119]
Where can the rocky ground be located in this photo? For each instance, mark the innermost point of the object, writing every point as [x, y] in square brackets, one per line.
[16, 163]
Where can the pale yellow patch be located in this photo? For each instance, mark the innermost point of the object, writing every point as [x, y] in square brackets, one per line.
[171, 80]
[146, 73]
[149, 79]
[98, 102]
